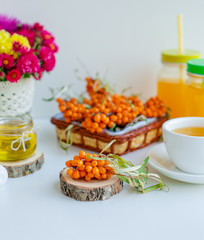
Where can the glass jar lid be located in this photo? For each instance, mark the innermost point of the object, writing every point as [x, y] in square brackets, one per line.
[195, 66]
[174, 56]
[15, 124]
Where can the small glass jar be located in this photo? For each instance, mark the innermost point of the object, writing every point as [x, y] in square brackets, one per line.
[171, 79]
[17, 138]
[194, 89]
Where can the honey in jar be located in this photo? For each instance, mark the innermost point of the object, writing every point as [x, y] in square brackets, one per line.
[17, 138]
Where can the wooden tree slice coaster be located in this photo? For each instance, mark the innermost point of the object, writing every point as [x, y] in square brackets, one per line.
[93, 190]
[24, 167]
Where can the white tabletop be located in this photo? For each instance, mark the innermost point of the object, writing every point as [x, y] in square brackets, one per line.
[34, 208]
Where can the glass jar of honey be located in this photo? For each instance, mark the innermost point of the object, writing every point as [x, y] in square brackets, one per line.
[171, 79]
[194, 88]
[17, 138]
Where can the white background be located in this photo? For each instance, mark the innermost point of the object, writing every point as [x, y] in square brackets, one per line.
[123, 36]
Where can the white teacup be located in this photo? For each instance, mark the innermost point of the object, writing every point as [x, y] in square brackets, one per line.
[187, 152]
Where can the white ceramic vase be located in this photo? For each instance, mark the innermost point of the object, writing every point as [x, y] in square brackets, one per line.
[16, 98]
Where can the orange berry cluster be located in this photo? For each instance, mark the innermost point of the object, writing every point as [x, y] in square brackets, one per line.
[95, 91]
[104, 110]
[154, 107]
[73, 111]
[82, 166]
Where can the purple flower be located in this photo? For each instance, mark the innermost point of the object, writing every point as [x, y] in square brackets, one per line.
[10, 24]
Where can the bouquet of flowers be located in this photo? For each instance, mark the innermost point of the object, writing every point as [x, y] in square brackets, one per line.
[25, 50]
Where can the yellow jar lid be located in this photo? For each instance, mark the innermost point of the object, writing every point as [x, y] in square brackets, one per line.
[174, 56]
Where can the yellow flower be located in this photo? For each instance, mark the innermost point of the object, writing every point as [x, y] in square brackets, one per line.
[7, 40]
[20, 39]
[4, 36]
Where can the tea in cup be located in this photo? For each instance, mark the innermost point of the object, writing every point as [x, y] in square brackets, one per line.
[184, 141]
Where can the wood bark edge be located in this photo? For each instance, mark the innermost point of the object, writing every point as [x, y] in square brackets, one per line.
[82, 194]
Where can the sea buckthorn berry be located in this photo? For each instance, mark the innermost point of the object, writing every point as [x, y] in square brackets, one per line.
[113, 118]
[94, 163]
[103, 176]
[82, 174]
[95, 170]
[110, 124]
[70, 171]
[62, 108]
[82, 154]
[76, 158]
[74, 163]
[95, 125]
[76, 174]
[80, 163]
[69, 163]
[97, 118]
[81, 168]
[102, 125]
[88, 168]
[98, 175]
[92, 130]
[90, 174]
[99, 130]
[59, 100]
[87, 163]
[102, 170]
[87, 178]
[101, 162]
[108, 175]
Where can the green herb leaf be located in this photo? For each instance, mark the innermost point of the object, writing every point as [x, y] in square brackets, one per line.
[113, 127]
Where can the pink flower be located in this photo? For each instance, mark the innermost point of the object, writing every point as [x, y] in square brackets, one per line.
[47, 37]
[49, 63]
[16, 46]
[28, 63]
[53, 46]
[37, 27]
[48, 58]
[6, 61]
[44, 53]
[13, 75]
[29, 34]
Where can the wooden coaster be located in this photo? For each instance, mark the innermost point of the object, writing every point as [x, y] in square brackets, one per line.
[24, 167]
[93, 190]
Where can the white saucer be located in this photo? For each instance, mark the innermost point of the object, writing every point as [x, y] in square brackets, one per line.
[160, 160]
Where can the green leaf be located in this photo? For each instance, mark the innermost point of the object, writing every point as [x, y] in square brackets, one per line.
[113, 127]
[142, 168]
[96, 158]
[124, 179]
[154, 187]
[132, 105]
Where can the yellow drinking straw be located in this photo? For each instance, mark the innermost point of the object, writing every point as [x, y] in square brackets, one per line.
[180, 34]
[180, 46]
